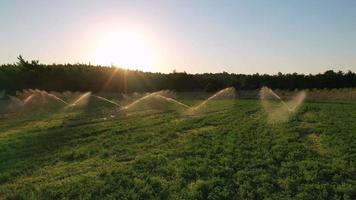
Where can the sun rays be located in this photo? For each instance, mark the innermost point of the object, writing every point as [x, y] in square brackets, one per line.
[126, 48]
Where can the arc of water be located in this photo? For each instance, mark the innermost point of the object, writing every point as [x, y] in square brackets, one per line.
[28, 99]
[283, 112]
[299, 98]
[229, 89]
[155, 94]
[159, 95]
[138, 101]
[280, 99]
[43, 95]
[57, 98]
[80, 98]
[173, 100]
[107, 100]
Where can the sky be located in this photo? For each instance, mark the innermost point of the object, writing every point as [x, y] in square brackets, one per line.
[196, 36]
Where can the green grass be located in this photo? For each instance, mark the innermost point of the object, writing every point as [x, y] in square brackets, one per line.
[228, 153]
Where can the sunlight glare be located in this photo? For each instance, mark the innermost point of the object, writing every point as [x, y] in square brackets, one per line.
[126, 49]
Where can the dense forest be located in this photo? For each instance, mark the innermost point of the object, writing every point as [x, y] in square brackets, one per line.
[85, 77]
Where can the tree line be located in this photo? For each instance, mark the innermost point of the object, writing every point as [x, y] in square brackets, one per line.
[86, 77]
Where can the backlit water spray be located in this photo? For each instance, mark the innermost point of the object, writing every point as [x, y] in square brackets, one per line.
[106, 100]
[82, 99]
[43, 95]
[158, 100]
[56, 98]
[173, 100]
[138, 101]
[224, 94]
[277, 109]
[29, 99]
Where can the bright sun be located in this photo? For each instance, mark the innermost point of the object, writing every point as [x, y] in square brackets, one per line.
[127, 49]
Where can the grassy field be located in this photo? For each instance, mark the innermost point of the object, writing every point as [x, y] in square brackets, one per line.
[229, 152]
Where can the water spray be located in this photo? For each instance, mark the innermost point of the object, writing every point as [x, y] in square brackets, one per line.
[106, 100]
[154, 96]
[173, 100]
[227, 92]
[283, 112]
[81, 98]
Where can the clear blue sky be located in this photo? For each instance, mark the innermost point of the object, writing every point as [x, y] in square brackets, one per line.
[266, 36]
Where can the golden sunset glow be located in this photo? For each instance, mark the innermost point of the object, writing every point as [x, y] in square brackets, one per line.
[127, 49]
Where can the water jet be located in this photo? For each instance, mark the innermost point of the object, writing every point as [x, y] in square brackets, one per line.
[277, 109]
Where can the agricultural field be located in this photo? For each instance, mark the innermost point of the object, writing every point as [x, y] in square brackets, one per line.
[228, 150]
[177, 100]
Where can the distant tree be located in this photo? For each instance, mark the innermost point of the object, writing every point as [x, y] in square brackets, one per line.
[21, 61]
[86, 77]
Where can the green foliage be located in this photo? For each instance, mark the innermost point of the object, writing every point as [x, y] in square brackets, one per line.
[84, 77]
[231, 153]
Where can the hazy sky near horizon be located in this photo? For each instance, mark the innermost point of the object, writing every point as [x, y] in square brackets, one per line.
[304, 36]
